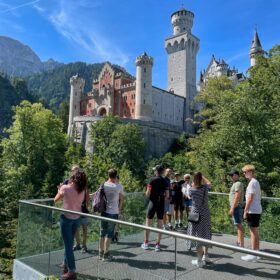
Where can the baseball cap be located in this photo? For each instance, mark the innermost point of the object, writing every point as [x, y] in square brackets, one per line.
[158, 168]
[177, 174]
[233, 172]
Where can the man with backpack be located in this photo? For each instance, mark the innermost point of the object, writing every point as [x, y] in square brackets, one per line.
[114, 200]
[157, 191]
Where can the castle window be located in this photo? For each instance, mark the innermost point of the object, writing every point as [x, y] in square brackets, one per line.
[132, 110]
[75, 107]
[144, 70]
[171, 79]
[75, 93]
[144, 102]
[144, 85]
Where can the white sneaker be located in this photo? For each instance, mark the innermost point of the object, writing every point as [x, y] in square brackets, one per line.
[145, 246]
[249, 258]
[198, 263]
[206, 259]
[157, 248]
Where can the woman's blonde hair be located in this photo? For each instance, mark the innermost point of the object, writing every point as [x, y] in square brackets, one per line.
[249, 167]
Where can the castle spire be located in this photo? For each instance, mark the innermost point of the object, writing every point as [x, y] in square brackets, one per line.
[256, 48]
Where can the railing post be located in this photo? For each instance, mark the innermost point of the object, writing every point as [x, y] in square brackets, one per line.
[175, 276]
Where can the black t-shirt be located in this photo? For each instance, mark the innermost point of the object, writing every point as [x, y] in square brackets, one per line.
[178, 189]
[158, 187]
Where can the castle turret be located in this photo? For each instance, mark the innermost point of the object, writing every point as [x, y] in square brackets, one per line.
[222, 68]
[143, 95]
[256, 49]
[182, 21]
[77, 87]
[182, 48]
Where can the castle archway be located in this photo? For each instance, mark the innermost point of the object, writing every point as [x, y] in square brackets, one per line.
[102, 112]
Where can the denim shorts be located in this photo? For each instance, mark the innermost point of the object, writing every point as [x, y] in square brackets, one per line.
[107, 229]
[166, 205]
[170, 210]
[84, 220]
[237, 215]
[188, 203]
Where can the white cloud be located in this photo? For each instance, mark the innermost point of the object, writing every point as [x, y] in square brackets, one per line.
[39, 9]
[10, 8]
[73, 24]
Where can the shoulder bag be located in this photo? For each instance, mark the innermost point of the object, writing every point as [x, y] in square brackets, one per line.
[195, 217]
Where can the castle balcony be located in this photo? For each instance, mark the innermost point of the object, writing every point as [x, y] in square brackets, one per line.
[40, 248]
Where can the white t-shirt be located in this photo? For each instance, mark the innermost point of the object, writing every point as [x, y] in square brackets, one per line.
[254, 188]
[186, 190]
[112, 192]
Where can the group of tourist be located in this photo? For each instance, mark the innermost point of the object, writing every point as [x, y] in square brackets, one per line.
[191, 194]
[167, 198]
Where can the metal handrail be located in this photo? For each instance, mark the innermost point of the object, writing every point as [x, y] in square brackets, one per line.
[141, 193]
[173, 234]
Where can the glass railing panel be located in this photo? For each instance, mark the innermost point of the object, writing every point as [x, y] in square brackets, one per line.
[34, 236]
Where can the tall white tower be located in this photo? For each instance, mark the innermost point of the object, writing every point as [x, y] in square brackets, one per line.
[182, 48]
[256, 49]
[77, 87]
[143, 94]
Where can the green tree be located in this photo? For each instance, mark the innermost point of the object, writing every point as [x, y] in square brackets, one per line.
[128, 147]
[101, 134]
[63, 114]
[31, 167]
[240, 125]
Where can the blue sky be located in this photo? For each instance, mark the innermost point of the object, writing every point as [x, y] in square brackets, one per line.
[119, 30]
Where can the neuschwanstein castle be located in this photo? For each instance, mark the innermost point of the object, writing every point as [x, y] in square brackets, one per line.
[162, 114]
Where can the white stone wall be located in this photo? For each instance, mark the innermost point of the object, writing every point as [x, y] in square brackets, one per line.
[167, 108]
[143, 89]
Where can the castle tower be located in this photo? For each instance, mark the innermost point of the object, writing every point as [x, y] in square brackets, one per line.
[256, 49]
[222, 68]
[182, 48]
[77, 87]
[143, 94]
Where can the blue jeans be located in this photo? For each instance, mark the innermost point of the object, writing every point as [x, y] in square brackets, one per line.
[68, 230]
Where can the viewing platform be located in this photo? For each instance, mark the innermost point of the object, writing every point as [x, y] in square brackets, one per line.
[40, 249]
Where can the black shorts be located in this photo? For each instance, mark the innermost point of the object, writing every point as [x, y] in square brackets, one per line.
[155, 207]
[178, 205]
[253, 220]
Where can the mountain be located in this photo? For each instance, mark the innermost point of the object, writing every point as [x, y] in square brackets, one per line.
[17, 59]
[54, 86]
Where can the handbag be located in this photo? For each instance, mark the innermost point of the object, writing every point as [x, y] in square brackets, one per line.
[195, 217]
